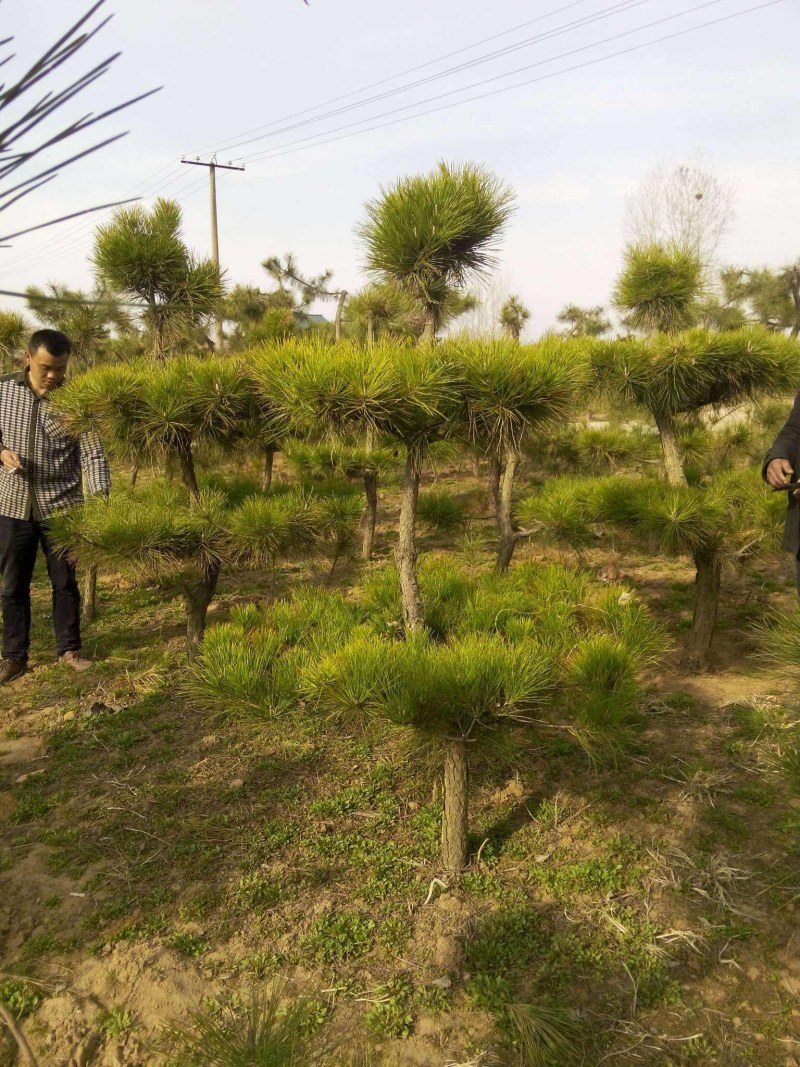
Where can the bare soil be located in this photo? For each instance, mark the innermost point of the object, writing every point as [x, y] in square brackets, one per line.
[157, 860]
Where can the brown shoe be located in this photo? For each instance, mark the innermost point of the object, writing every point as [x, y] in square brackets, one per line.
[10, 669]
[75, 660]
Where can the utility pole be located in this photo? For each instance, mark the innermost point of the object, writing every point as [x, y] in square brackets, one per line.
[212, 165]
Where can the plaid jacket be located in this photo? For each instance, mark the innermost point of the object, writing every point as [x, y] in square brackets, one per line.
[56, 464]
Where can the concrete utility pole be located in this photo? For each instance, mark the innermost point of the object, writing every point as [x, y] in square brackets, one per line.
[219, 339]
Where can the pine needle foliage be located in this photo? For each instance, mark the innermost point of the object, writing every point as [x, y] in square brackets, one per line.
[267, 1031]
[251, 665]
[728, 520]
[328, 461]
[779, 636]
[599, 450]
[659, 288]
[430, 233]
[315, 388]
[153, 411]
[510, 390]
[700, 368]
[560, 608]
[544, 1034]
[440, 510]
[141, 254]
[734, 510]
[14, 330]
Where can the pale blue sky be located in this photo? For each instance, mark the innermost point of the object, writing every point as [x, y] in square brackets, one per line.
[572, 145]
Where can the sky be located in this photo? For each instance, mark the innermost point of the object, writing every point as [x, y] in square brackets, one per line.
[573, 143]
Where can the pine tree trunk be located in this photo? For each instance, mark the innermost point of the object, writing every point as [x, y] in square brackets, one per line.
[407, 549]
[197, 600]
[370, 329]
[669, 447]
[337, 325]
[455, 821]
[709, 575]
[505, 503]
[370, 514]
[495, 474]
[134, 475]
[184, 449]
[428, 335]
[266, 474]
[89, 595]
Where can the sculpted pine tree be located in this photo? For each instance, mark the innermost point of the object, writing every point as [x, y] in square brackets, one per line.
[513, 316]
[514, 651]
[679, 374]
[406, 395]
[309, 289]
[509, 391]
[157, 412]
[142, 255]
[731, 519]
[583, 322]
[432, 233]
[163, 532]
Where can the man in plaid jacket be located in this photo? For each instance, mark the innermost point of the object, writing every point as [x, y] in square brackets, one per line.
[42, 470]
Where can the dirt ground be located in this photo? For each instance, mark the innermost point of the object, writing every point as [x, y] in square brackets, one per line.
[156, 859]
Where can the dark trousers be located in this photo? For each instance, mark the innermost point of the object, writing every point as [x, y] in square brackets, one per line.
[19, 544]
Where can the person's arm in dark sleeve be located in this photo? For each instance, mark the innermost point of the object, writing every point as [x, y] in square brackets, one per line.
[787, 444]
[94, 465]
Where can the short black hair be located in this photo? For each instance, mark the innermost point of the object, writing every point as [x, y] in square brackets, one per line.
[53, 341]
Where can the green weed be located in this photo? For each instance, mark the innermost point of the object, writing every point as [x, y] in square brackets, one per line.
[257, 891]
[116, 1022]
[489, 992]
[340, 936]
[188, 944]
[434, 999]
[19, 996]
[391, 1016]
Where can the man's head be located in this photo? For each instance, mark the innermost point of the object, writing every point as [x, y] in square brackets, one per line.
[46, 359]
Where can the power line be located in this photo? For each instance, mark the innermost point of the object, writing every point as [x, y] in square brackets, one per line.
[76, 239]
[82, 242]
[322, 138]
[393, 77]
[616, 9]
[289, 148]
[47, 248]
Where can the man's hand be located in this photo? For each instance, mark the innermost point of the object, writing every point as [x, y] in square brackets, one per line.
[10, 461]
[779, 473]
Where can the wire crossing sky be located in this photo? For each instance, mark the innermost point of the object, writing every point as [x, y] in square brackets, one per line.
[572, 106]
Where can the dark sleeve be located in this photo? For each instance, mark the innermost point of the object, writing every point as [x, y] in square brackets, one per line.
[787, 444]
